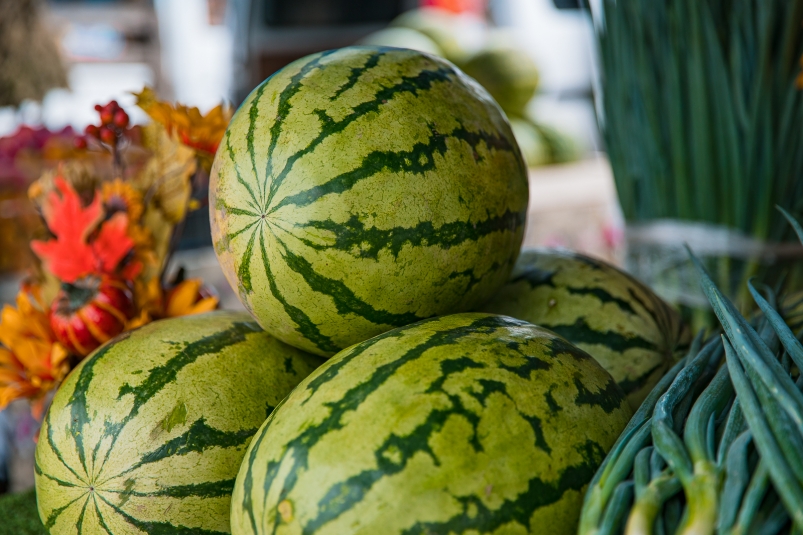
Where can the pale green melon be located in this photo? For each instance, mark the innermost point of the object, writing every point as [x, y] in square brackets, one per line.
[507, 72]
[532, 146]
[402, 38]
[439, 25]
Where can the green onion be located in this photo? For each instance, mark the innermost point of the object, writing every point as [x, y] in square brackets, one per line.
[702, 117]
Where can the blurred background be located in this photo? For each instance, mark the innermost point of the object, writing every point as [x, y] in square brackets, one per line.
[534, 56]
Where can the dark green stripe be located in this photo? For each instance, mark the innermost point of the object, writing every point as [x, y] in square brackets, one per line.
[239, 211]
[304, 324]
[100, 516]
[198, 438]
[59, 482]
[558, 346]
[248, 481]
[553, 405]
[160, 376]
[253, 113]
[451, 367]
[538, 431]
[79, 415]
[56, 451]
[209, 489]
[412, 84]
[490, 386]
[79, 525]
[296, 451]
[603, 296]
[529, 363]
[581, 333]
[253, 203]
[244, 229]
[244, 270]
[342, 496]
[473, 280]
[391, 457]
[282, 111]
[608, 399]
[419, 160]
[159, 528]
[356, 72]
[333, 367]
[659, 311]
[535, 277]
[56, 513]
[354, 238]
[477, 517]
[344, 298]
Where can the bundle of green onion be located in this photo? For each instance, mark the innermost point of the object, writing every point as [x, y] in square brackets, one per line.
[702, 120]
[717, 447]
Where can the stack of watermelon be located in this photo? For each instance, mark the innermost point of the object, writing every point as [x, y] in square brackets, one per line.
[368, 206]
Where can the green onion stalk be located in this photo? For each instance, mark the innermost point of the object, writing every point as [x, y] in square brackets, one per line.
[717, 447]
[701, 114]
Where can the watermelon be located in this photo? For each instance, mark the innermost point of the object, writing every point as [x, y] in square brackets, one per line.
[441, 26]
[363, 189]
[146, 435]
[533, 148]
[507, 72]
[402, 38]
[469, 423]
[631, 331]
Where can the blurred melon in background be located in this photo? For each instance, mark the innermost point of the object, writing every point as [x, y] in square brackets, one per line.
[495, 58]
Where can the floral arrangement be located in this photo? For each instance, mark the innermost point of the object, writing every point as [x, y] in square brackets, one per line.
[113, 211]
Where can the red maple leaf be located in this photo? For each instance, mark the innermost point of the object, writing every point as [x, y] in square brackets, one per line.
[70, 255]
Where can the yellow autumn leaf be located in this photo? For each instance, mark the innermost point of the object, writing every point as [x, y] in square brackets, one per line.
[183, 300]
[166, 177]
[202, 133]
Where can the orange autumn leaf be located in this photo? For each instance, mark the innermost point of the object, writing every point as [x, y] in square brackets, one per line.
[186, 299]
[31, 361]
[70, 255]
[201, 132]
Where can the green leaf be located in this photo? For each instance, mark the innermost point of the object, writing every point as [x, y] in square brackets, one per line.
[792, 221]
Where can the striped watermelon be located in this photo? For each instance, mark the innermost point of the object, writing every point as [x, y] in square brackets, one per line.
[362, 189]
[632, 332]
[470, 423]
[146, 435]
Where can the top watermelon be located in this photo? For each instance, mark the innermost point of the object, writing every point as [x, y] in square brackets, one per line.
[361, 189]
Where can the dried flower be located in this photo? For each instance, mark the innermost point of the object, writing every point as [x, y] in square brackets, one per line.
[119, 196]
[201, 132]
[31, 361]
[188, 298]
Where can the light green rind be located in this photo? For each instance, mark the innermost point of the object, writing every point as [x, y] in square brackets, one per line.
[363, 189]
[470, 423]
[632, 332]
[146, 435]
